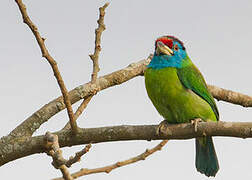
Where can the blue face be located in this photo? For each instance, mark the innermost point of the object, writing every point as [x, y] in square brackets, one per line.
[161, 60]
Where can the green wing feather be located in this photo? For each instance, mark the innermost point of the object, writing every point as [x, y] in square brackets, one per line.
[192, 79]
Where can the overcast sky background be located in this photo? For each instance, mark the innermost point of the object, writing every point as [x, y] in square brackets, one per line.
[217, 35]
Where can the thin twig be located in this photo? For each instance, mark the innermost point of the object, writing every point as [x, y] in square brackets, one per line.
[78, 156]
[53, 150]
[94, 57]
[109, 168]
[98, 33]
[51, 61]
[79, 110]
[82, 106]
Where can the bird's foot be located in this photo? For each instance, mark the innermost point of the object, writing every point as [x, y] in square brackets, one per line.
[161, 127]
[195, 122]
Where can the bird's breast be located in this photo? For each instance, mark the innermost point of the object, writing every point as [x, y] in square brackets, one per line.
[164, 89]
[172, 100]
[163, 82]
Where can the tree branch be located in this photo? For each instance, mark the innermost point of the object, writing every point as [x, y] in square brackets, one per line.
[97, 50]
[109, 168]
[51, 61]
[12, 150]
[77, 156]
[231, 96]
[53, 150]
[94, 57]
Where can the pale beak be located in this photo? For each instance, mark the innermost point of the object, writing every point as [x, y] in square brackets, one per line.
[162, 48]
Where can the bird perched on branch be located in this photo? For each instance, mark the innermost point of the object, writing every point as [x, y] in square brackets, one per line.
[179, 92]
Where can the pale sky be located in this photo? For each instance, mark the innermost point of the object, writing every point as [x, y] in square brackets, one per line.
[217, 35]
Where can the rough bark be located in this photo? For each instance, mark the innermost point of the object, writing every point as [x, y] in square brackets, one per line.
[19, 148]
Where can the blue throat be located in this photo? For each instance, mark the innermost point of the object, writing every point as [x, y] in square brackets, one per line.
[163, 61]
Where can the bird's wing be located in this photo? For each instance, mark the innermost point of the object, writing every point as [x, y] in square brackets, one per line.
[192, 79]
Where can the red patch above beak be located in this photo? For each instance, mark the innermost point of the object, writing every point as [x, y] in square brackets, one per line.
[166, 41]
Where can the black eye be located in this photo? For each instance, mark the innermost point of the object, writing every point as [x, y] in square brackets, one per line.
[176, 47]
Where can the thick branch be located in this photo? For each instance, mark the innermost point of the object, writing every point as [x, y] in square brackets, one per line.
[10, 151]
[231, 96]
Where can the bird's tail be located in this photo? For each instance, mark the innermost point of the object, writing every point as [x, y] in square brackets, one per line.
[206, 158]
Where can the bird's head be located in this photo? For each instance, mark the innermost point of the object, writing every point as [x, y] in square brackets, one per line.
[169, 52]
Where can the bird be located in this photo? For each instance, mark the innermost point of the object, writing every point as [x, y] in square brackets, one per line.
[180, 94]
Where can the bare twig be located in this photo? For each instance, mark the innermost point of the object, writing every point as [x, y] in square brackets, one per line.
[78, 156]
[51, 61]
[109, 168]
[53, 150]
[82, 106]
[79, 111]
[98, 33]
[94, 57]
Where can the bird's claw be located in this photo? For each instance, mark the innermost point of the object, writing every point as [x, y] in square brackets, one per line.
[195, 123]
[163, 125]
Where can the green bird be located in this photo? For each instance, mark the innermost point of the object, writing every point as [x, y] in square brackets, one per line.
[179, 92]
